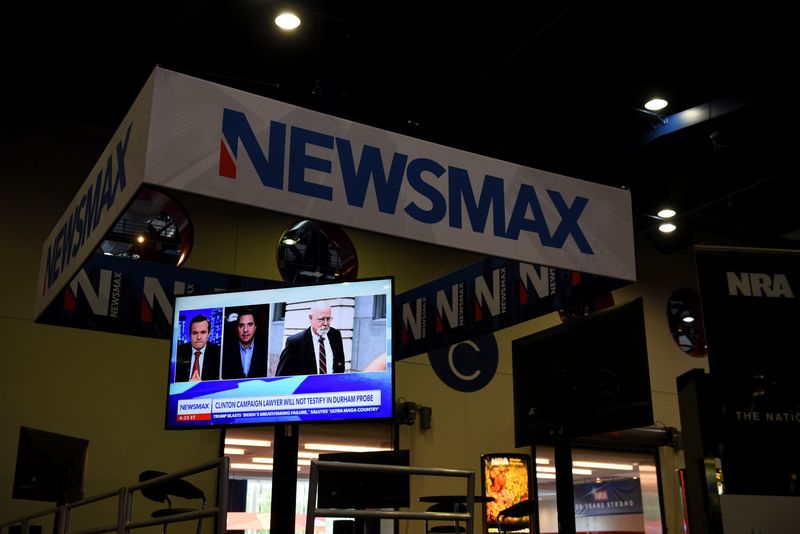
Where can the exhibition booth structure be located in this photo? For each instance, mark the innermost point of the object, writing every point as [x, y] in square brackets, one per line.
[198, 137]
[187, 134]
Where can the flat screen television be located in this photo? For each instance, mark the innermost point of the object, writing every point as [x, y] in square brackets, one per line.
[284, 382]
[361, 489]
[50, 467]
[589, 376]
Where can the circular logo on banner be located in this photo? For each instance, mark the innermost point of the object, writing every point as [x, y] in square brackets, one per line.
[468, 365]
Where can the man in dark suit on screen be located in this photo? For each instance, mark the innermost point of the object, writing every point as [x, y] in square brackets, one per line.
[316, 350]
[246, 357]
[198, 359]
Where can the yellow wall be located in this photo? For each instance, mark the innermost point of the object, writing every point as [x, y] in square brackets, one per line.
[111, 388]
[471, 424]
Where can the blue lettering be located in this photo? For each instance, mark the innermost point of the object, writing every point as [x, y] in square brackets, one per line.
[527, 199]
[367, 170]
[356, 182]
[569, 222]
[68, 236]
[58, 253]
[478, 213]
[122, 150]
[86, 216]
[50, 268]
[299, 161]
[79, 214]
[107, 196]
[92, 205]
[438, 204]
[235, 128]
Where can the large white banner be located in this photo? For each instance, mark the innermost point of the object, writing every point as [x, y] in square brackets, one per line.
[228, 144]
[192, 135]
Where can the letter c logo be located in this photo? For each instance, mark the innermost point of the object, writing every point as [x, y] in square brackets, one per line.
[453, 368]
[467, 365]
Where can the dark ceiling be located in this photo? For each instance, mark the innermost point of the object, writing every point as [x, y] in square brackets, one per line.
[553, 85]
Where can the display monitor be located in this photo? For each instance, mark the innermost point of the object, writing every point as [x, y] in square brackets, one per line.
[364, 489]
[585, 377]
[254, 357]
[50, 467]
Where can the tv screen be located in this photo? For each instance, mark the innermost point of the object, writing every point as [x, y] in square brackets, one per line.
[361, 489]
[50, 467]
[586, 377]
[255, 357]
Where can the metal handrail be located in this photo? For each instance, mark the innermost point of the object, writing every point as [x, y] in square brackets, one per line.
[312, 511]
[116, 527]
[220, 511]
[124, 524]
[25, 520]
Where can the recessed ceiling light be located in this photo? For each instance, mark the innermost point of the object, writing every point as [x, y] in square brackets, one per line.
[342, 448]
[667, 228]
[575, 470]
[688, 319]
[656, 104]
[666, 213]
[248, 442]
[287, 21]
[252, 467]
[603, 465]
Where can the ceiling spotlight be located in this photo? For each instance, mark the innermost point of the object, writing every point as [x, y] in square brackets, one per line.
[667, 228]
[248, 442]
[688, 319]
[287, 21]
[140, 239]
[666, 213]
[656, 104]
[603, 465]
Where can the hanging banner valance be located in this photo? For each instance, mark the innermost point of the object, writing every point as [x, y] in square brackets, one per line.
[191, 135]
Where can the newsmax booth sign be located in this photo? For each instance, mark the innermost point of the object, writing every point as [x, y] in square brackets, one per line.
[189, 134]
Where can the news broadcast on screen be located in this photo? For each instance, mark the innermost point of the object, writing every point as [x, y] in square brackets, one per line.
[307, 353]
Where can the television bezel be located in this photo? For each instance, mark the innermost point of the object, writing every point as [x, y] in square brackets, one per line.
[401, 457]
[58, 449]
[544, 432]
[390, 332]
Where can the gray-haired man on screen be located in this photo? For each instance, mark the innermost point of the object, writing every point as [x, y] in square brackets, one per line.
[316, 350]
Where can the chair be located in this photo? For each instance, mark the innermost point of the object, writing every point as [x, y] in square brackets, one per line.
[175, 487]
[452, 527]
[520, 509]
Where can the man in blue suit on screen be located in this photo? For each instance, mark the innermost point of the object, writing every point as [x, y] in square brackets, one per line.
[198, 359]
[316, 350]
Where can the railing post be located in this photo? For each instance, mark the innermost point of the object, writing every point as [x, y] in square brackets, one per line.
[313, 477]
[121, 506]
[222, 495]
